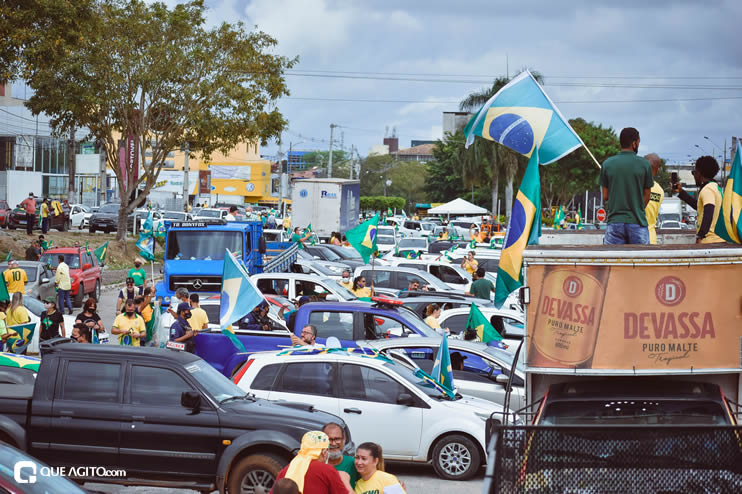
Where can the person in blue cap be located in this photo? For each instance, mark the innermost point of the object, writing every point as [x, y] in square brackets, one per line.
[258, 318]
[180, 330]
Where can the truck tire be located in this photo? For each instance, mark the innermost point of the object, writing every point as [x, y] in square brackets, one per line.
[96, 293]
[253, 471]
[91, 229]
[456, 457]
[77, 300]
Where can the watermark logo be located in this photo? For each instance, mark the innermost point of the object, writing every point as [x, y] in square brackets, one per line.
[24, 472]
[670, 291]
[572, 286]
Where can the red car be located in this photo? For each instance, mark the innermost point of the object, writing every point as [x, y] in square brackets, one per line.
[84, 271]
[4, 213]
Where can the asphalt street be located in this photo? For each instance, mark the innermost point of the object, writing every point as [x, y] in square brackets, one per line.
[417, 478]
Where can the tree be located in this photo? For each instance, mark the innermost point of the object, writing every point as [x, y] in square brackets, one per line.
[341, 161]
[408, 178]
[577, 172]
[158, 77]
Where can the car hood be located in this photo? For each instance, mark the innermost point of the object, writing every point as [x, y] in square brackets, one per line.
[194, 268]
[96, 216]
[473, 404]
[286, 416]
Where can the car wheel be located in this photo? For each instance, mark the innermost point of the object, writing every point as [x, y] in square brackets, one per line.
[253, 471]
[456, 457]
[91, 229]
[108, 230]
[80, 294]
[64, 226]
[10, 227]
[97, 290]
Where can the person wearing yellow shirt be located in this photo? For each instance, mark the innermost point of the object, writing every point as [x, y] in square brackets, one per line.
[45, 216]
[346, 282]
[15, 278]
[129, 326]
[369, 463]
[16, 314]
[64, 284]
[360, 289]
[656, 195]
[469, 263]
[708, 203]
[199, 319]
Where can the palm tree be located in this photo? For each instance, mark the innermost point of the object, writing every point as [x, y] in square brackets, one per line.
[489, 159]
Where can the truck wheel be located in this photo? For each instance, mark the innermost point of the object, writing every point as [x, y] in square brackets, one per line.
[77, 301]
[456, 457]
[253, 471]
[91, 229]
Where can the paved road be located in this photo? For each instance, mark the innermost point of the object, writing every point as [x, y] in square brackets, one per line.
[417, 478]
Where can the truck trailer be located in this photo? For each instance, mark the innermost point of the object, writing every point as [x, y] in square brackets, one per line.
[327, 204]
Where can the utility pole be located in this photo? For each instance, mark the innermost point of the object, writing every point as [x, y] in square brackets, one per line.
[329, 163]
[185, 178]
[102, 179]
[71, 166]
[280, 172]
[352, 162]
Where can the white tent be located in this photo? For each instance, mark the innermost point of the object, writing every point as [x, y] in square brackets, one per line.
[457, 206]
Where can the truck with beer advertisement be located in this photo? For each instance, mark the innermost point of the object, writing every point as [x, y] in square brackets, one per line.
[633, 359]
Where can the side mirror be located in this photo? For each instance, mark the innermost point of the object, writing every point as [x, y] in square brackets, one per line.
[331, 298]
[502, 379]
[87, 265]
[261, 245]
[44, 281]
[190, 399]
[405, 399]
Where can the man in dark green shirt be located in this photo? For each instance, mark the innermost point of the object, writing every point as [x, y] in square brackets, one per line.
[626, 181]
[335, 456]
[481, 287]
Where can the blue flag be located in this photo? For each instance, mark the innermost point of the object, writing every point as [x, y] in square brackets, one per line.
[146, 243]
[442, 370]
[522, 117]
[239, 296]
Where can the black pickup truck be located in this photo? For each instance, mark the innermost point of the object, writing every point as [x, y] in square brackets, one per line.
[166, 417]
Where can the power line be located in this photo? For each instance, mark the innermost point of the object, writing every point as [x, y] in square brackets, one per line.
[661, 100]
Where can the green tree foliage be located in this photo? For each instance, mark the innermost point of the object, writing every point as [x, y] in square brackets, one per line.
[341, 162]
[159, 75]
[381, 203]
[409, 178]
[577, 172]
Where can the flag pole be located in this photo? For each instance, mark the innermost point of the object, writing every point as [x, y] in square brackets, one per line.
[591, 154]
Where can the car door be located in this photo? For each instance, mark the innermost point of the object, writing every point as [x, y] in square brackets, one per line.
[335, 323]
[46, 289]
[312, 382]
[160, 435]
[403, 279]
[368, 404]
[88, 273]
[87, 414]
[456, 323]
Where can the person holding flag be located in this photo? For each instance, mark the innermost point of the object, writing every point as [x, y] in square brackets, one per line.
[559, 218]
[363, 238]
[298, 238]
[708, 203]
[578, 219]
[477, 325]
[239, 297]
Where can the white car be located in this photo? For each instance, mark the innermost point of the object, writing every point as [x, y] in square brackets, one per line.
[381, 401]
[294, 285]
[171, 216]
[451, 274]
[386, 238]
[411, 243]
[210, 214]
[35, 307]
[79, 216]
[509, 323]
[389, 280]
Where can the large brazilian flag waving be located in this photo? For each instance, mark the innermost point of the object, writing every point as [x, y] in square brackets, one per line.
[522, 117]
[732, 201]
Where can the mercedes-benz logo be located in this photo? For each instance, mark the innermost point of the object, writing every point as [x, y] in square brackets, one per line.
[197, 284]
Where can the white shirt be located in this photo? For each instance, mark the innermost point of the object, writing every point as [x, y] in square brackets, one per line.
[229, 217]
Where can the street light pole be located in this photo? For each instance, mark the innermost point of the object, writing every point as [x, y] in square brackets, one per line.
[329, 163]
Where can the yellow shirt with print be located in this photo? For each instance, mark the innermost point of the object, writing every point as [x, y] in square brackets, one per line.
[656, 195]
[16, 279]
[17, 316]
[376, 484]
[709, 194]
[199, 319]
[136, 323]
[362, 292]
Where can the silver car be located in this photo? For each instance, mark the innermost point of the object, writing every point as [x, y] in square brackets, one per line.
[486, 368]
[40, 282]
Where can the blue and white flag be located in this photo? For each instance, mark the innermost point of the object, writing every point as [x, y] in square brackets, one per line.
[239, 296]
[442, 370]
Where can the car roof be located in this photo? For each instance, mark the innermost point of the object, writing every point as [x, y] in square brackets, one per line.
[25, 263]
[633, 388]
[63, 250]
[319, 353]
[90, 351]
[291, 276]
[488, 310]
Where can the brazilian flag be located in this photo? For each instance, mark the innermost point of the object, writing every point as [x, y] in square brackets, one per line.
[732, 202]
[100, 253]
[363, 238]
[24, 335]
[481, 325]
[442, 369]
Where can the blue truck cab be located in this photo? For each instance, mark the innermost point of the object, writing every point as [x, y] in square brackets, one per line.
[194, 255]
[349, 322]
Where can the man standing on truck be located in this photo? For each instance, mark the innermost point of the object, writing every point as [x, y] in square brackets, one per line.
[29, 206]
[181, 331]
[199, 319]
[708, 204]
[257, 319]
[626, 181]
[655, 198]
[296, 237]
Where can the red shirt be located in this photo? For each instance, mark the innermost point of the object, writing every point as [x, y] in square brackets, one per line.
[321, 478]
[29, 204]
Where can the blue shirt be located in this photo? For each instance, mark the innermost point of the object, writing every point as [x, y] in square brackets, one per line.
[179, 328]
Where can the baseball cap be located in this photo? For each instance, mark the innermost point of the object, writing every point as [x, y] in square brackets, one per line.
[50, 300]
[184, 306]
[130, 280]
[304, 299]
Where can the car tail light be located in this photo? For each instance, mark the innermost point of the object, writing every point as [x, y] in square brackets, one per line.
[241, 372]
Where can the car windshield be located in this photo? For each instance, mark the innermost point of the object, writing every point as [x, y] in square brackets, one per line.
[649, 411]
[427, 226]
[210, 213]
[347, 253]
[52, 260]
[420, 382]
[338, 288]
[211, 380]
[413, 243]
[503, 355]
[385, 240]
[109, 209]
[174, 216]
[202, 245]
[434, 282]
[324, 253]
[35, 305]
[385, 230]
[419, 323]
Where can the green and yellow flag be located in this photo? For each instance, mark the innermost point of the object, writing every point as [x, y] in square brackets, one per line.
[732, 200]
[363, 238]
[4, 295]
[7, 258]
[481, 325]
[100, 253]
[442, 369]
[24, 335]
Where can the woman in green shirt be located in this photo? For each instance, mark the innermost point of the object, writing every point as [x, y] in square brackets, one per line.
[138, 274]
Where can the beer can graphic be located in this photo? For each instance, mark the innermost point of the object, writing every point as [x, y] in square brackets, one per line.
[570, 306]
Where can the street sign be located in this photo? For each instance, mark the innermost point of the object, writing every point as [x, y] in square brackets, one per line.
[600, 215]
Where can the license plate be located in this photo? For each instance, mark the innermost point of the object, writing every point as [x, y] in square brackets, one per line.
[174, 345]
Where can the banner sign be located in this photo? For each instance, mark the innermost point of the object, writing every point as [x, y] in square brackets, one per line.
[624, 317]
